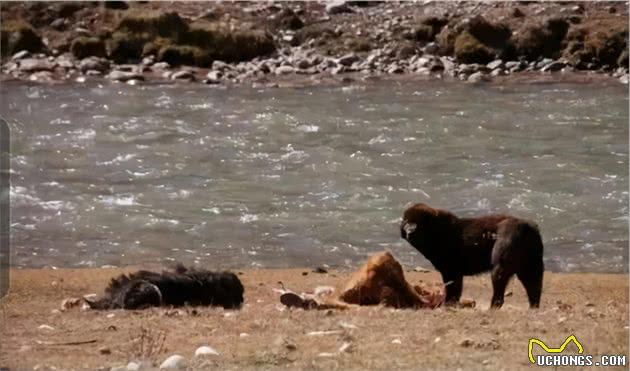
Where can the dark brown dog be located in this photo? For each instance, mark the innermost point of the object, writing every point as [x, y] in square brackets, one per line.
[460, 247]
[182, 286]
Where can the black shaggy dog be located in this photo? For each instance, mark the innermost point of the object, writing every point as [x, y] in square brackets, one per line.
[182, 286]
[460, 247]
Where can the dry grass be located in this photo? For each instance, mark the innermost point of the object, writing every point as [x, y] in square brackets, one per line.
[593, 307]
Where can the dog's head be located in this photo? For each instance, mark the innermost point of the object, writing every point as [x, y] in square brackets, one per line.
[423, 225]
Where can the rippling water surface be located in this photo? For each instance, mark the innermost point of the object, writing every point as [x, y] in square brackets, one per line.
[119, 175]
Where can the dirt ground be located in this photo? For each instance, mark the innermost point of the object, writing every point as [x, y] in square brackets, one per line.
[264, 335]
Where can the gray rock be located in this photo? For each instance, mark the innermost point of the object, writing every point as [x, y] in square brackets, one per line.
[133, 366]
[161, 66]
[34, 65]
[624, 79]
[94, 63]
[174, 362]
[20, 55]
[395, 69]
[59, 24]
[93, 73]
[206, 351]
[337, 7]
[543, 63]
[284, 70]
[220, 65]
[447, 64]
[214, 77]
[431, 48]
[478, 77]
[303, 64]
[495, 64]
[124, 76]
[497, 72]
[554, 66]
[183, 75]
[348, 59]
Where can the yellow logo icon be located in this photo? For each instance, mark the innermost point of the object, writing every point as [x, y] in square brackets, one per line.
[544, 346]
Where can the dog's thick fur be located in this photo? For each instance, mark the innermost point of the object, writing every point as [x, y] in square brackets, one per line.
[182, 286]
[381, 281]
[460, 247]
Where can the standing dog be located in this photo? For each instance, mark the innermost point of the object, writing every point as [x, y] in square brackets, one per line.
[460, 247]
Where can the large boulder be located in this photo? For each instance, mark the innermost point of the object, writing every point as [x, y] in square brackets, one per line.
[476, 40]
[83, 47]
[597, 45]
[541, 39]
[469, 49]
[18, 36]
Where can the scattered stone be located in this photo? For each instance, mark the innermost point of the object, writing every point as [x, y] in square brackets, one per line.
[20, 55]
[624, 79]
[421, 269]
[495, 64]
[553, 66]
[396, 341]
[478, 77]
[348, 59]
[104, 350]
[465, 343]
[320, 270]
[46, 327]
[123, 76]
[284, 70]
[206, 351]
[183, 75]
[94, 63]
[161, 66]
[35, 65]
[174, 362]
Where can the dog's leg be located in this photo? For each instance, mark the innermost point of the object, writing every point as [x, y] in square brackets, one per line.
[454, 284]
[500, 279]
[532, 280]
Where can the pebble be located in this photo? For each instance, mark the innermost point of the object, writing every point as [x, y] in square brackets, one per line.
[46, 327]
[284, 70]
[183, 75]
[495, 64]
[94, 64]
[206, 351]
[553, 66]
[465, 343]
[477, 77]
[20, 55]
[133, 366]
[34, 65]
[348, 59]
[124, 76]
[174, 362]
[396, 341]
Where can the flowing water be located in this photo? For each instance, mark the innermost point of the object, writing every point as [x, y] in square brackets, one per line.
[117, 175]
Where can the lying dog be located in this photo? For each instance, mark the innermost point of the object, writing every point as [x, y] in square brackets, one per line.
[182, 286]
[460, 247]
[380, 281]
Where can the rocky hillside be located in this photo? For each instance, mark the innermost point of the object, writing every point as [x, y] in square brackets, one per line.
[238, 41]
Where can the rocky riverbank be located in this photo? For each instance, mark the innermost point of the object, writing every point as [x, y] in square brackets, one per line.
[263, 43]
